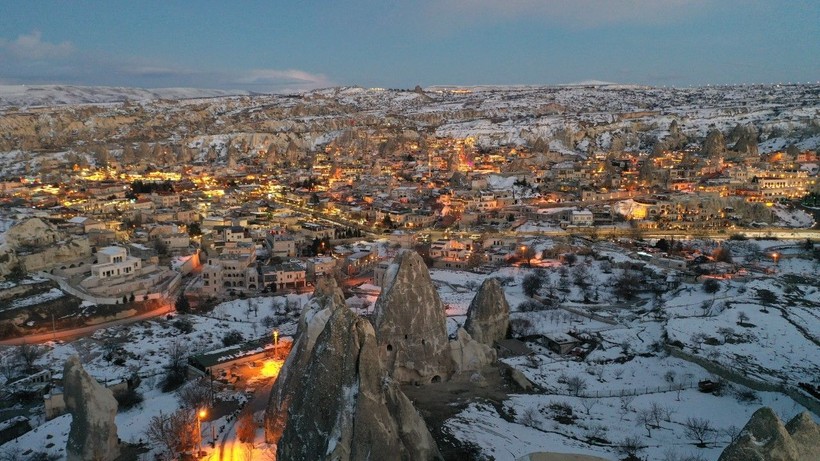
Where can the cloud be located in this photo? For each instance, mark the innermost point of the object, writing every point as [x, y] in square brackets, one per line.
[30, 60]
[32, 47]
[584, 13]
[284, 77]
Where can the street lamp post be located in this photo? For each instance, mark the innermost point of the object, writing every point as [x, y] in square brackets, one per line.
[199, 417]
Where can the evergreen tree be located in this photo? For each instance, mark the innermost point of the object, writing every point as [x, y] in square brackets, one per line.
[182, 305]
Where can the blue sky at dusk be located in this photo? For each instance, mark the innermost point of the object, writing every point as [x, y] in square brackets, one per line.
[284, 45]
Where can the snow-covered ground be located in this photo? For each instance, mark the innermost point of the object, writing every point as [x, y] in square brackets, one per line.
[51, 95]
[592, 406]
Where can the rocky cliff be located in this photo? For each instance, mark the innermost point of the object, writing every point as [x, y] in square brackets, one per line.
[765, 438]
[347, 408]
[326, 298]
[488, 317]
[411, 324]
[93, 433]
[35, 244]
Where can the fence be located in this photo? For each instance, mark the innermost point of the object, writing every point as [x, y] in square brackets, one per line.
[729, 374]
[637, 390]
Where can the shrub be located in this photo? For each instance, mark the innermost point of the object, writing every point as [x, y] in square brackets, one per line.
[711, 286]
[128, 398]
[747, 395]
[269, 322]
[530, 306]
[184, 325]
[232, 337]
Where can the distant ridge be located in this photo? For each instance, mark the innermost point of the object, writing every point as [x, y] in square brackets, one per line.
[55, 95]
[583, 83]
[590, 83]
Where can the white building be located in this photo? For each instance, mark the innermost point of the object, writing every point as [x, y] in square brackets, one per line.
[581, 218]
[114, 261]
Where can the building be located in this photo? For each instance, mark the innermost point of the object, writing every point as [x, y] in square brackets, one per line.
[285, 275]
[281, 246]
[319, 266]
[379, 270]
[234, 269]
[582, 218]
[114, 261]
[359, 262]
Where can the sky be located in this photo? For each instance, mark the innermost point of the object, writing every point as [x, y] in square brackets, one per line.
[278, 45]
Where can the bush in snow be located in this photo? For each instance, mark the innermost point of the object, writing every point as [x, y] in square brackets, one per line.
[232, 337]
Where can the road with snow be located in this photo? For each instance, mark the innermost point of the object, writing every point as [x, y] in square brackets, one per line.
[84, 331]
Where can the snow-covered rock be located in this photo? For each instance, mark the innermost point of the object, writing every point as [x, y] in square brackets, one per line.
[93, 434]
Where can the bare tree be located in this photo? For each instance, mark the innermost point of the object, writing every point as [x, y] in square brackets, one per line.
[698, 429]
[596, 432]
[529, 417]
[245, 427]
[576, 385]
[11, 453]
[626, 405]
[28, 354]
[629, 447]
[175, 433]
[733, 432]
[9, 367]
[742, 318]
[667, 413]
[176, 368]
[588, 404]
[646, 420]
[196, 394]
[658, 412]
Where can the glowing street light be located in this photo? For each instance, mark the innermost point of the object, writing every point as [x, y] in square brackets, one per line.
[776, 257]
[200, 416]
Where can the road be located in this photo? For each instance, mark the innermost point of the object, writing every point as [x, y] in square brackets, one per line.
[229, 447]
[601, 232]
[332, 219]
[84, 331]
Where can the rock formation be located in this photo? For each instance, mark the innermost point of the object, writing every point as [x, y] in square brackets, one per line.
[32, 232]
[805, 434]
[470, 355]
[346, 408]
[765, 438]
[35, 244]
[93, 433]
[488, 317]
[411, 324]
[326, 298]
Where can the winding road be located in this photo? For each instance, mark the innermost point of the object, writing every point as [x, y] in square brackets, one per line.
[84, 331]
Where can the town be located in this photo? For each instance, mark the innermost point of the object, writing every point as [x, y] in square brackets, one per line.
[665, 232]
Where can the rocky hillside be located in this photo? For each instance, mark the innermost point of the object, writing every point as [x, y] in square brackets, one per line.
[167, 127]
